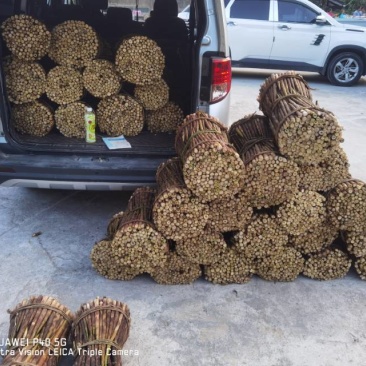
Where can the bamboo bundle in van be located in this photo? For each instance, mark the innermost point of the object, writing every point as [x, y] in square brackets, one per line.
[100, 329]
[261, 237]
[64, 85]
[327, 174]
[304, 132]
[26, 37]
[35, 118]
[41, 326]
[70, 119]
[284, 265]
[176, 270]
[165, 119]
[177, 213]
[153, 96]
[229, 214]
[100, 78]
[74, 44]
[270, 178]
[327, 265]
[139, 60]
[232, 267]
[25, 81]
[346, 205]
[212, 168]
[355, 242]
[109, 265]
[302, 212]
[315, 239]
[360, 266]
[120, 115]
[205, 249]
[137, 243]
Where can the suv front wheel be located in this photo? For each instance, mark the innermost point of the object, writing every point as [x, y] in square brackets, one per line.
[345, 69]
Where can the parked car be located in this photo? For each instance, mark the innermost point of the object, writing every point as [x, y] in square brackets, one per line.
[295, 35]
[201, 81]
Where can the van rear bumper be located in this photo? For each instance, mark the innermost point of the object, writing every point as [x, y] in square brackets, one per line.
[78, 172]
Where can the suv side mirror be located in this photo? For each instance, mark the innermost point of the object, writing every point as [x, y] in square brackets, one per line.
[321, 20]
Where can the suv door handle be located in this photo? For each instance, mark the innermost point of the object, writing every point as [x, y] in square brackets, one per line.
[284, 27]
[231, 23]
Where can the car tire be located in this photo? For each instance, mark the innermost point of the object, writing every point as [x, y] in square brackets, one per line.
[345, 69]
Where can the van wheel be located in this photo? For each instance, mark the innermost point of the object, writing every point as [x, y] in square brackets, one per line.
[345, 69]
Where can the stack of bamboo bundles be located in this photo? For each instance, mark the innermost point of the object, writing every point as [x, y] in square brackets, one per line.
[99, 331]
[81, 74]
[43, 325]
[243, 209]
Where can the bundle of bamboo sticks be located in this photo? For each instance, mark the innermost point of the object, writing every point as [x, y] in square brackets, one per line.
[74, 44]
[212, 168]
[99, 331]
[69, 119]
[303, 131]
[153, 96]
[360, 266]
[177, 214]
[120, 115]
[355, 242]
[165, 119]
[44, 325]
[26, 37]
[270, 178]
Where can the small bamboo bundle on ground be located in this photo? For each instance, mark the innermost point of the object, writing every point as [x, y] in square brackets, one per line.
[100, 330]
[26, 37]
[70, 119]
[304, 132]
[111, 266]
[177, 213]
[165, 119]
[176, 270]
[137, 243]
[100, 79]
[270, 178]
[25, 81]
[41, 326]
[212, 168]
[261, 237]
[114, 224]
[315, 239]
[360, 266]
[284, 265]
[327, 174]
[73, 43]
[355, 242]
[205, 249]
[139, 60]
[346, 205]
[327, 265]
[153, 96]
[232, 267]
[229, 214]
[301, 213]
[120, 115]
[35, 119]
[64, 85]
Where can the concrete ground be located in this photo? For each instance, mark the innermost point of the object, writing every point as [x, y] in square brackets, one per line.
[303, 323]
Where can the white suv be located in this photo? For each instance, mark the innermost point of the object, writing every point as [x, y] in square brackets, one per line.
[297, 35]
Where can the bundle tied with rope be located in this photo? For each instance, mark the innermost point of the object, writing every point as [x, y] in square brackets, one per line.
[137, 243]
[304, 132]
[212, 168]
[102, 326]
[177, 213]
[270, 178]
[44, 325]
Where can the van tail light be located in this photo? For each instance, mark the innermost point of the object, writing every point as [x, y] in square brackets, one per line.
[220, 78]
